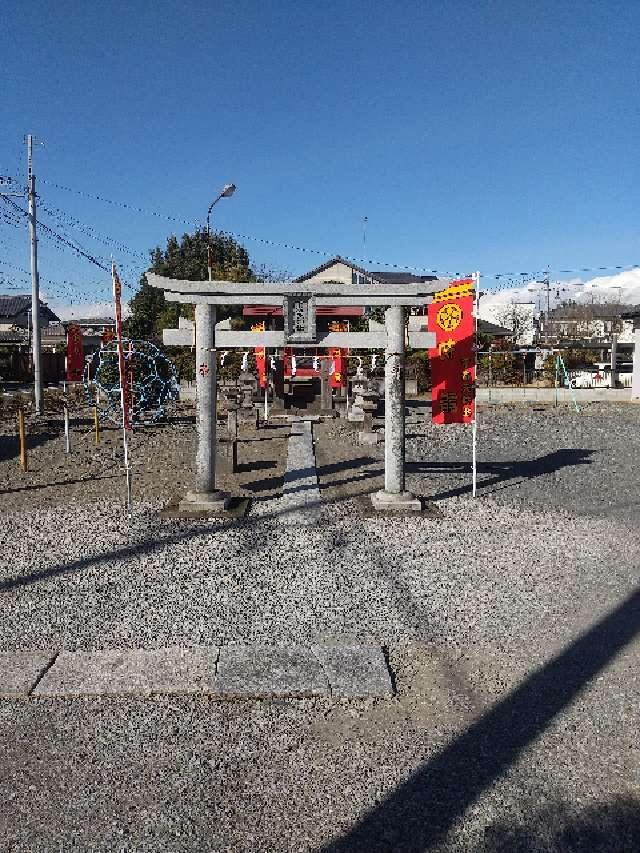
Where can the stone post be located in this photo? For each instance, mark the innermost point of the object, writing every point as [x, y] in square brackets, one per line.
[326, 394]
[277, 378]
[205, 496]
[614, 360]
[394, 495]
[248, 415]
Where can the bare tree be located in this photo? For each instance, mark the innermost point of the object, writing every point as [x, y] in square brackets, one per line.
[518, 319]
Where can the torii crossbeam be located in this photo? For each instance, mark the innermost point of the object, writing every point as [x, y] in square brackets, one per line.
[299, 301]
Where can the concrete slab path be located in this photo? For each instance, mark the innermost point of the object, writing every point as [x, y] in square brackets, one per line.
[300, 501]
[229, 672]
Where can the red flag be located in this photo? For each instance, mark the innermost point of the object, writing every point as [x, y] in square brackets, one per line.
[261, 356]
[340, 359]
[75, 354]
[453, 360]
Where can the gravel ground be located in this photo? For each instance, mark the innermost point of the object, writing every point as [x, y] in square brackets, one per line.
[510, 622]
[162, 461]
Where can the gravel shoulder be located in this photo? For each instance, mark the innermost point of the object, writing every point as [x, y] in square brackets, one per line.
[514, 722]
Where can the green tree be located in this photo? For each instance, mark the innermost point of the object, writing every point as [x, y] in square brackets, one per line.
[184, 259]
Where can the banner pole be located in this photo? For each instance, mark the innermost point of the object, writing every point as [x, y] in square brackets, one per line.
[474, 423]
[67, 431]
[117, 294]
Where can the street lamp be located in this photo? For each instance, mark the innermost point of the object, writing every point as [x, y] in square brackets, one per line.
[227, 191]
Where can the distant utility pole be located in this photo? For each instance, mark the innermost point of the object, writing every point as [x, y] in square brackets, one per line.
[35, 283]
[548, 286]
[547, 283]
[365, 219]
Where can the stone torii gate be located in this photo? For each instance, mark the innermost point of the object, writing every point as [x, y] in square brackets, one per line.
[299, 301]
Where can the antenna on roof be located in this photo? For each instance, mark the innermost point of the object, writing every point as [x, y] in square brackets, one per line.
[365, 219]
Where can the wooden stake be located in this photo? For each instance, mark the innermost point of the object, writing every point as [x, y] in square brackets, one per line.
[96, 423]
[23, 439]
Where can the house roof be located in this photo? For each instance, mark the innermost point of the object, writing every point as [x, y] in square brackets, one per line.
[327, 265]
[12, 306]
[632, 314]
[587, 311]
[401, 277]
[486, 328]
[91, 322]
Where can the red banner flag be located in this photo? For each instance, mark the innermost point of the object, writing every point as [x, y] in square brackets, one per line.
[261, 356]
[340, 359]
[453, 359]
[75, 354]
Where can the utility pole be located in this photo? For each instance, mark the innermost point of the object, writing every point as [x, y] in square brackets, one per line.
[35, 284]
[548, 285]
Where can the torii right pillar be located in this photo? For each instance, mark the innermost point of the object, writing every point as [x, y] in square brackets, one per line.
[394, 496]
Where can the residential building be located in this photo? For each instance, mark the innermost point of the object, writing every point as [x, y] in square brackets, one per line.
[587, 322]
[15, 313]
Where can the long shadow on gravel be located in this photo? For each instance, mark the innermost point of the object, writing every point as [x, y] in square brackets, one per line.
[564, 827]
[57, 483]
[152, 544]
[503, 472]
[337, 467]
[419, 813]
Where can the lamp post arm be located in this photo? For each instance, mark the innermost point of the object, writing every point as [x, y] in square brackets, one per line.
[228, 190]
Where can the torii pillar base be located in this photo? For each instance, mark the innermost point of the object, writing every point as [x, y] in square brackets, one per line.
[215, 502]
[395, 502]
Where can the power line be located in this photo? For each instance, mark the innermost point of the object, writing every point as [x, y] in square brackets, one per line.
[61, 284]
[320, 252]
[61, 240]
[55, 236]
[61, 215]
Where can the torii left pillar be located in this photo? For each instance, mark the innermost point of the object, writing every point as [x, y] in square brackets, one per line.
[205, 496]
[394, 496]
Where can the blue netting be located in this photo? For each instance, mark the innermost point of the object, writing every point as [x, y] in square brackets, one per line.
[151, 377]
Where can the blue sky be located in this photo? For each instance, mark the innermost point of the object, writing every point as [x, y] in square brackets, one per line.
[499, 136]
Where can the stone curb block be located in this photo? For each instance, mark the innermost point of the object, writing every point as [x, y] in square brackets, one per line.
[140, 671]
[20, 671]
[354, 671]
[263, 671]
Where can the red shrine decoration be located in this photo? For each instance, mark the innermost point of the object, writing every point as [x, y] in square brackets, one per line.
[339, 357]
[261, 356]
[305, 370]
[453, 359]
[340, 360]
[75, 353]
